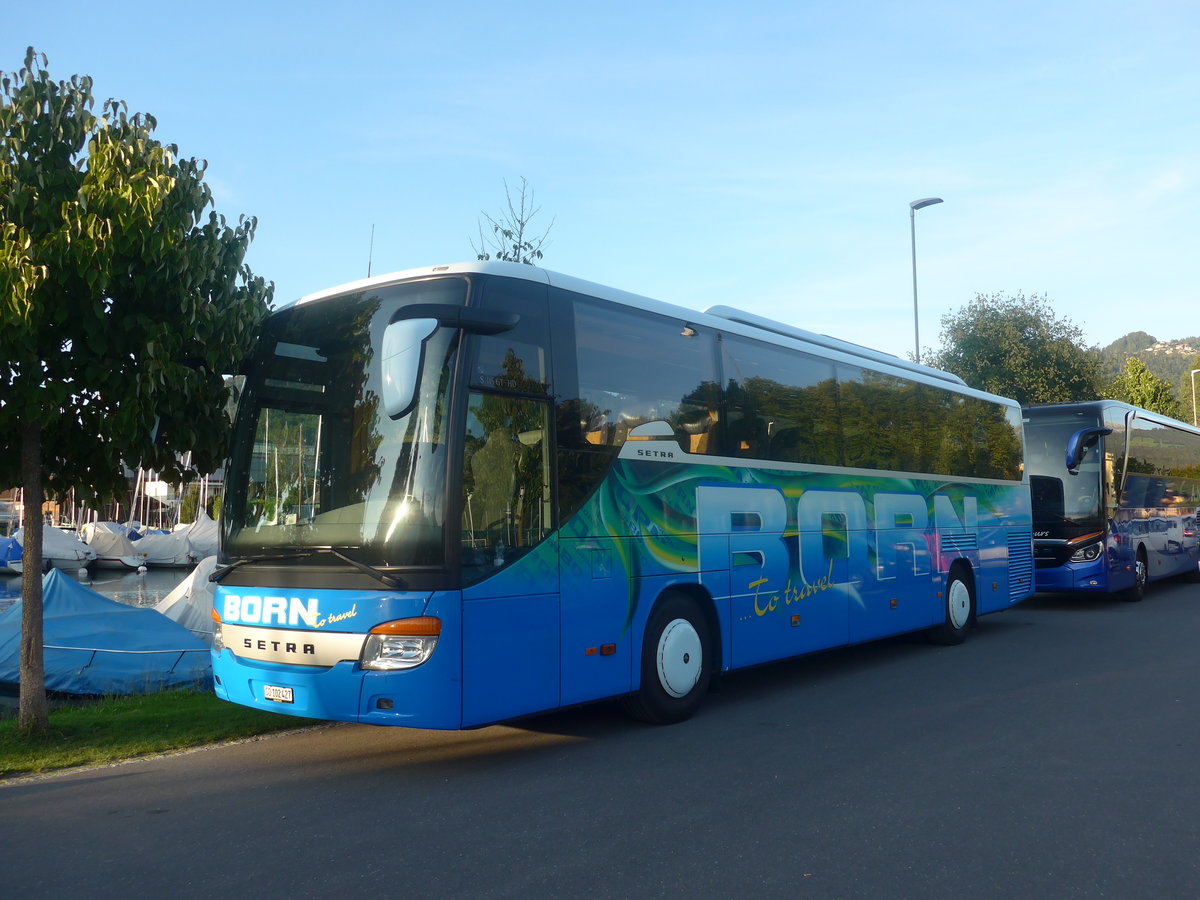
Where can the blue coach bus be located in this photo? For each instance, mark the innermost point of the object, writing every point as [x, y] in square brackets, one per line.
[464, 494]
[1115, 493]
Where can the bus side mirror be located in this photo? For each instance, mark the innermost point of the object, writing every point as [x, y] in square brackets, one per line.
[404, 345]
[403, 351]
[1078, 444]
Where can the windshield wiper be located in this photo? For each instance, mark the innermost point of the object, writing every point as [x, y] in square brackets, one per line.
[220, 573]
[382, 577]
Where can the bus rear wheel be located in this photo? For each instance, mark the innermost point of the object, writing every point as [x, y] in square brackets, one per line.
[960, 610]
[677, 661]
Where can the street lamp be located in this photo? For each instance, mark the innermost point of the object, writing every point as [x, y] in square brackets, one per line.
[1194, 371]
[912, 218]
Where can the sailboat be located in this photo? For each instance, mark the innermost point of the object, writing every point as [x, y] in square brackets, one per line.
[112, 544]
[60, 550]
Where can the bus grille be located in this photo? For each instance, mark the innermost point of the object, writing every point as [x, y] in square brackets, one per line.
[1052, 554]
[1020, 564]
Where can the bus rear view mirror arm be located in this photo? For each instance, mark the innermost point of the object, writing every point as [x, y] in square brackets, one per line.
[469, 319]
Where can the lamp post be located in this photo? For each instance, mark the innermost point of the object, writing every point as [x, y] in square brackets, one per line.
[1194, 371]
[912, 218]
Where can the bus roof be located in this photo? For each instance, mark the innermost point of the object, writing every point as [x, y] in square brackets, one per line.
[1100, 406]
[725, 318]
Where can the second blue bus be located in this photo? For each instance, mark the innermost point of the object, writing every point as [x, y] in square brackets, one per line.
[1115, 495]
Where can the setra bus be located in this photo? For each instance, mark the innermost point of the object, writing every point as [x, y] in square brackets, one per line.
[464, 494]
[1115, 492]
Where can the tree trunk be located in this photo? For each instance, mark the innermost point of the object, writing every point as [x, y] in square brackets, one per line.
[33, 713]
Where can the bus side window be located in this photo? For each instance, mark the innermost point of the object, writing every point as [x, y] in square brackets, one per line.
[506, 508]
[697, 426]
[782, 404]
[517, 359]
[634, 367]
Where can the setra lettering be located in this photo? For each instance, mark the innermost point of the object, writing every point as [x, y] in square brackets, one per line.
[287, 647]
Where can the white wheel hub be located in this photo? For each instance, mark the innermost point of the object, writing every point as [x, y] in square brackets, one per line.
[959, 604]
[680, 658]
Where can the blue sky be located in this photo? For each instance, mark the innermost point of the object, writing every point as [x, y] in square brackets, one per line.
[755, 154]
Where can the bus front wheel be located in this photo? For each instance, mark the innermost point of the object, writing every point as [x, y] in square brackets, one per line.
[1141, 573]
[677, 661]
[960, 610]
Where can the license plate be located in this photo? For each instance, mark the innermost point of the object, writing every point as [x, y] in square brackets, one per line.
[278, 694]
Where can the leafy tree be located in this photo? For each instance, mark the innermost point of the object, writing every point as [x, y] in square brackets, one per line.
[1017, 347]
[1138, 385]
[512, 238]
[122, 306]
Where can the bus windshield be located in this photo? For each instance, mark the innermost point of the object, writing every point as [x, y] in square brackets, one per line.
[1064, 504]
[325, 456]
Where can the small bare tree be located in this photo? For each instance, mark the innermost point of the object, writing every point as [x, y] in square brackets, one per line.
[512, 239]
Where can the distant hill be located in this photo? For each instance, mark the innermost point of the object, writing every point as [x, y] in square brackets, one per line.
[1130, 345]
[1169, 360]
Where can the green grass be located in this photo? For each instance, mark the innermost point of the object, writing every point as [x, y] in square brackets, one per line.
[117, 728]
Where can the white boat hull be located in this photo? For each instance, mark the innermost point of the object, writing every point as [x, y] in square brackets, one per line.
[120, 563]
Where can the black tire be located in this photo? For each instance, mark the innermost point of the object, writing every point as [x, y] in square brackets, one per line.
[677, 660]
[1141, 574]
[960, 610]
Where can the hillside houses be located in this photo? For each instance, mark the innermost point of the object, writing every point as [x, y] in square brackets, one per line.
[1173, 348]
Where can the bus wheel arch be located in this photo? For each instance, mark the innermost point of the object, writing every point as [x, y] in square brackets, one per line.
[680, 652]
[958, 605]
[704, 601]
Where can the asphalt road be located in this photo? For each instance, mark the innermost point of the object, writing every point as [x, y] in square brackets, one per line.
[1052, 755]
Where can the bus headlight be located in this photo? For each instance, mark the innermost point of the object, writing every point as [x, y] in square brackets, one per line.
[401, 644]
[1087, 554]
[218, 641]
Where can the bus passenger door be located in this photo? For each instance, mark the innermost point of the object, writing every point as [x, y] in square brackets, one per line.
[595, 607]
[509, 561]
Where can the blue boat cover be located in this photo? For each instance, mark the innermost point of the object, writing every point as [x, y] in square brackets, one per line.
[94, 645]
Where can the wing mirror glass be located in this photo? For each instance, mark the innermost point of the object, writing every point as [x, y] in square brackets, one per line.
[403, 352]
[1080, 442]
[404, 345]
